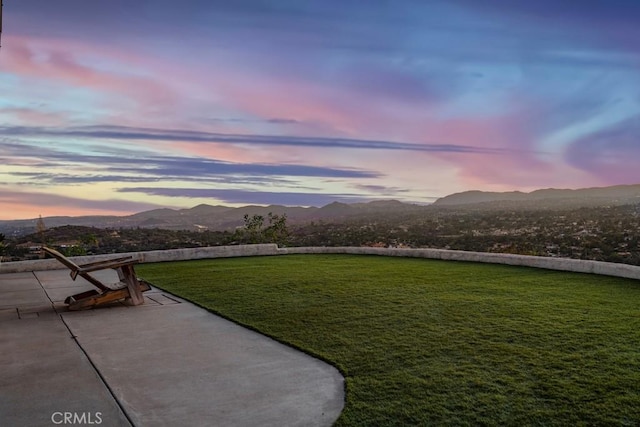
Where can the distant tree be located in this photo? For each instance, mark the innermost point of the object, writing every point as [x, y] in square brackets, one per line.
[255, 231]
[73, 251]
[1, 244]
[40, 229]
[253, 228]
[277, 231]
[90, 240]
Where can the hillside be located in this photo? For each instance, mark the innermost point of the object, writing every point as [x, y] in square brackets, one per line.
[550, 198]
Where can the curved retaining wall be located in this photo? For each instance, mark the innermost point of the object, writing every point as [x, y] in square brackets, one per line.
[562, 264]
[149, 256]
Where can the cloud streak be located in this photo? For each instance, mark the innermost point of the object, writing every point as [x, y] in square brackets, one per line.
[128, 133]
[167, 168]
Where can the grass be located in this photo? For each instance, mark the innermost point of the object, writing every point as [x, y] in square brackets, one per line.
[435, 342]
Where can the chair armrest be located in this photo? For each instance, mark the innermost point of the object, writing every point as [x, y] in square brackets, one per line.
[104, 265]
[105, 262]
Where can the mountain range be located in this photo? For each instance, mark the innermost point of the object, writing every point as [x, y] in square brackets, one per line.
[546, 198]
[227, 218]
[203, 217]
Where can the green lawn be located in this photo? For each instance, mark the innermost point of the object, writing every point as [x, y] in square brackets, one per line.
[435, 342]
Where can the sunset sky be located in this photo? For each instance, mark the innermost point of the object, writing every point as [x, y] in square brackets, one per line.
[120, 106]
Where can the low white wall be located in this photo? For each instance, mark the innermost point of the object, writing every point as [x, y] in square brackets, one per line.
[149, 256]
[562, 264]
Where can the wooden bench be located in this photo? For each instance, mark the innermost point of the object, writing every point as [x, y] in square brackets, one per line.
[129, 287]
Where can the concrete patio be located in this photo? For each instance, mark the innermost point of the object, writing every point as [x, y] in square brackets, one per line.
[167, 362]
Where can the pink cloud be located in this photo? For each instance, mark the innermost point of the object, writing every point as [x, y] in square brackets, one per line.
[173, 94]
[610, 154]
[165, 92]
[25, 204]
[222, 152]
[521, 164]
[288, 99]
[53, 61]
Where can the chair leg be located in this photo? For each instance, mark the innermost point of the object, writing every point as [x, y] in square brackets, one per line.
[127, 275]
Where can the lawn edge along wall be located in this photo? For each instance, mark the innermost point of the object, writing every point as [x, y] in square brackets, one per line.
[549, 263]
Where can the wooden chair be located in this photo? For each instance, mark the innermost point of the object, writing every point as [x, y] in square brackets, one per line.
[129, 286]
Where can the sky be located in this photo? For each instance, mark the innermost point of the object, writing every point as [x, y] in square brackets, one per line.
[124, 106]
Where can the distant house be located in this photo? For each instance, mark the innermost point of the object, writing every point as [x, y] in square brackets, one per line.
[33, 248]
[67, 244]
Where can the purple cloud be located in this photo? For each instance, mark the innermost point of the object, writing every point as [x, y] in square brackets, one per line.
[611, 154]
[131, 133]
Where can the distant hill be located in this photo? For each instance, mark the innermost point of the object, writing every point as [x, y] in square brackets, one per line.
[547, 198]
[211, 217]
[221, 218]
